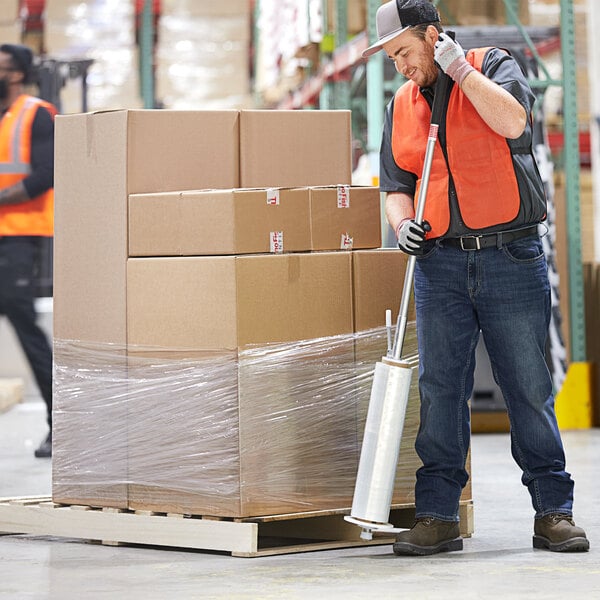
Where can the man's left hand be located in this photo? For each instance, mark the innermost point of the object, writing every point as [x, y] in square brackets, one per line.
[450, 57]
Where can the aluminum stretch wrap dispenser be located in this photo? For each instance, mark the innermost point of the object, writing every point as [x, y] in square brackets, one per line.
[391, 385]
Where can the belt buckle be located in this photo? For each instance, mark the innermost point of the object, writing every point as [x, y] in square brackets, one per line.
[477, 239]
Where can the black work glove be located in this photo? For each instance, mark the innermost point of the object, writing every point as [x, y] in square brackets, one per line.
[411, 236]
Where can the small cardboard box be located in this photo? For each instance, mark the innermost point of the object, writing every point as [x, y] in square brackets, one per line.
[218, 222]
[345, 217]
[295, 148]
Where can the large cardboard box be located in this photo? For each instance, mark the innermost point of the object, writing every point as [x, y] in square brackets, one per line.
[213, 222]
[244, 425]
[295, 148]
[101, 158]
[269, 432]
[345, 217]
[230, 303]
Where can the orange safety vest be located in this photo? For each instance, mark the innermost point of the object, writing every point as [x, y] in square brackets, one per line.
[478, 158]
[36, 216]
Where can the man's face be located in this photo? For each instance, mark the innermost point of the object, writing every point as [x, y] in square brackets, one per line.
[413, 56]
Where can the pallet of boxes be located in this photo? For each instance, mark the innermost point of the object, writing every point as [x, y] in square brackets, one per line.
[220, 302]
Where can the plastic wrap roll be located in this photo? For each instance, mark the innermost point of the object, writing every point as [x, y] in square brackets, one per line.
[381, 443]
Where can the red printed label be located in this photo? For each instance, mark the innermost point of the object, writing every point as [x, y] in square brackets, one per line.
[276, 238]
[273, 197]
[347, 242]
[343, 196]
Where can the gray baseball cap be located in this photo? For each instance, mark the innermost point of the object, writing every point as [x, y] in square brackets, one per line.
[395, 17]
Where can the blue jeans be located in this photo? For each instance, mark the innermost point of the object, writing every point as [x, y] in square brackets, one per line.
[505, 294]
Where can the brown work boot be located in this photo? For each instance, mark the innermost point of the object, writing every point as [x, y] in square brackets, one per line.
[558, 533]
[429, 536]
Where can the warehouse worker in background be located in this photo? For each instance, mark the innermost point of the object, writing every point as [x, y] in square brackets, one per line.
[480, 266]
[26, 210]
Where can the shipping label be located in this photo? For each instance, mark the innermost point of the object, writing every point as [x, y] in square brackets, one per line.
[276, 242]
[343, 196]
[273, 197]
[347, 242]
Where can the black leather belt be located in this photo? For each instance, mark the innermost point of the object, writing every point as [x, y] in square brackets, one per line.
[488, 240]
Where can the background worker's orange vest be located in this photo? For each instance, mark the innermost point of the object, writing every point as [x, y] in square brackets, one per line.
[479, 159]
[36, 216]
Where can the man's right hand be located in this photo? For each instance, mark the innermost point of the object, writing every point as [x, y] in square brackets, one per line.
[411, 236]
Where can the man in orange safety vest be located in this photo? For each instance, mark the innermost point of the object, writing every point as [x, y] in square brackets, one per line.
[26, 211]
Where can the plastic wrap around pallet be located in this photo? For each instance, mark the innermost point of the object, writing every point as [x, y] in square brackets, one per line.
[269, 430]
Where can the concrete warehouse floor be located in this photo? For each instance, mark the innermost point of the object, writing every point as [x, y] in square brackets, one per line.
[497, 562]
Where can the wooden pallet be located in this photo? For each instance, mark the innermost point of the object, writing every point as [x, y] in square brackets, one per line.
[259, 536]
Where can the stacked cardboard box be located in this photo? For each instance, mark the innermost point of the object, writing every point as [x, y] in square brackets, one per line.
[246, 221]
[194, 378]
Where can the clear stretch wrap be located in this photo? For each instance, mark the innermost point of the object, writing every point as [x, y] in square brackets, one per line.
[268, 430]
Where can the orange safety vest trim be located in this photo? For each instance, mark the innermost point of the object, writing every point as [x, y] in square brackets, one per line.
[36, 216]
[487, 192]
